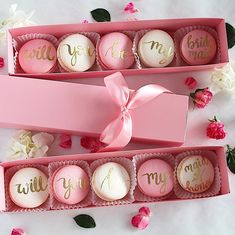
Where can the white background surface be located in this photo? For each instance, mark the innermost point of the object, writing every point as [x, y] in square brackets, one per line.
[208, 216]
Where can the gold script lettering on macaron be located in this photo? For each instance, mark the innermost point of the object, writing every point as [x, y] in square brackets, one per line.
[71, 184]
[115, 53]
[78, 51]
[157, 178]
[200, 187]
[161, 49]
[196, 165]
[41, 53]
[107, 178]
[35, 185]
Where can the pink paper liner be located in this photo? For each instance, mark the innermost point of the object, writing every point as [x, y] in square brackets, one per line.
[54, 203]
[216, 185]
[141, 158]
[131, 35]
[180, 33]
[19, 41]
[95, 38]
[10, 205]
[128, 165]
[137, 38]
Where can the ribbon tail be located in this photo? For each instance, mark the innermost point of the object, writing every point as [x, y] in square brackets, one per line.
[122, 127]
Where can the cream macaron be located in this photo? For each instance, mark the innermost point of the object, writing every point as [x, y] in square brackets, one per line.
[76, 53]
[111, 181]
[156, 49]
[29, 188]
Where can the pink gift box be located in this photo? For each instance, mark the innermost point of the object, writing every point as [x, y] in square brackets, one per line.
[169, 25]
[73, 108]
[218, 150]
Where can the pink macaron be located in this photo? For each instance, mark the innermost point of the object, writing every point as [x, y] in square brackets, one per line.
[155, 178]
[37, 56]
[198, 47]
[70, 184]
[115, 51]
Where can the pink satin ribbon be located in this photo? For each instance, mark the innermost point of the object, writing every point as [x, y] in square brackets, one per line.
[117, 134]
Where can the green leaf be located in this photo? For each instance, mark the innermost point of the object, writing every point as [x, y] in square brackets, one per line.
[101, 15]
[85, 221]
[230, 155]
[230, 35]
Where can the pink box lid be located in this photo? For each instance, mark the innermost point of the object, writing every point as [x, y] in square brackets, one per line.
[170, 25]
[86, 110]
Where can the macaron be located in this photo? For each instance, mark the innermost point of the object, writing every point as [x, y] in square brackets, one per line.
[195, 174]
[156, 49]
[155, 178]
[76, 53]
[198, 47]
[111, 181]
[29, 188]
[115, 51]
[70, 184]
[37, 56]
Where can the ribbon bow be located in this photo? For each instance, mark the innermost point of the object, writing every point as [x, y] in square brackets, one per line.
[117, 134]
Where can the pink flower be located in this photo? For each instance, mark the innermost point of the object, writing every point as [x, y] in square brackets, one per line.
[18, 231]
[130, 8]
[85, 22]
[1, 62]
[201, 97]
[91, 143]
[65, 141]
[141, 220]
[191, 83]
[215, 129]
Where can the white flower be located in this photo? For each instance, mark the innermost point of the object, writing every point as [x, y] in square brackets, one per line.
[16, 19]
[224, 78]
[26, 145]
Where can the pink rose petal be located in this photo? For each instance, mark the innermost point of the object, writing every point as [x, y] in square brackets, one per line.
[145, 211]
[130, 8]
[1, 62]
[85, 22]
[191, 83]
[18, 231]
[91, 143]
[65, 141]
[140, 221]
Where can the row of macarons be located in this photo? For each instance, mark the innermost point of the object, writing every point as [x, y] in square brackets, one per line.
[111, 181]
[115, 51]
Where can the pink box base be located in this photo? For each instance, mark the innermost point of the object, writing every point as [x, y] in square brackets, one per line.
[169, 25]
[219, 150]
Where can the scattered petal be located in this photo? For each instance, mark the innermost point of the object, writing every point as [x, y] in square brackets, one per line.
[130, 8]
[145, 211]
[91, 143]
[215, 129]
[85, 22]
[191, 83]
[18, 231]
[65, 141]
[140, 221]
[1, 62]
[201, 97]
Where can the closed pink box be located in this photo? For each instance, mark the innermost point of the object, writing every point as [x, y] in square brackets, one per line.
[218, 150]
[56, 106]
[169, 25]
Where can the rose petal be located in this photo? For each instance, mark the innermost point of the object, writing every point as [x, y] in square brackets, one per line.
[85, 22]
[1, 62]
[65, 141]
[91, 143]
[18, 231]
[130, 8]
[191, 83]
[145, 211]
[140, 221]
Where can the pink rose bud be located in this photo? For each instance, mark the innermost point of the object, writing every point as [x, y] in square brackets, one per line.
[1, 62]
[191, 83]
[145, 211]
[201, 97]
[130, 8]
[65, 141]
[18, 231]
[215, 129]
[140, 221]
